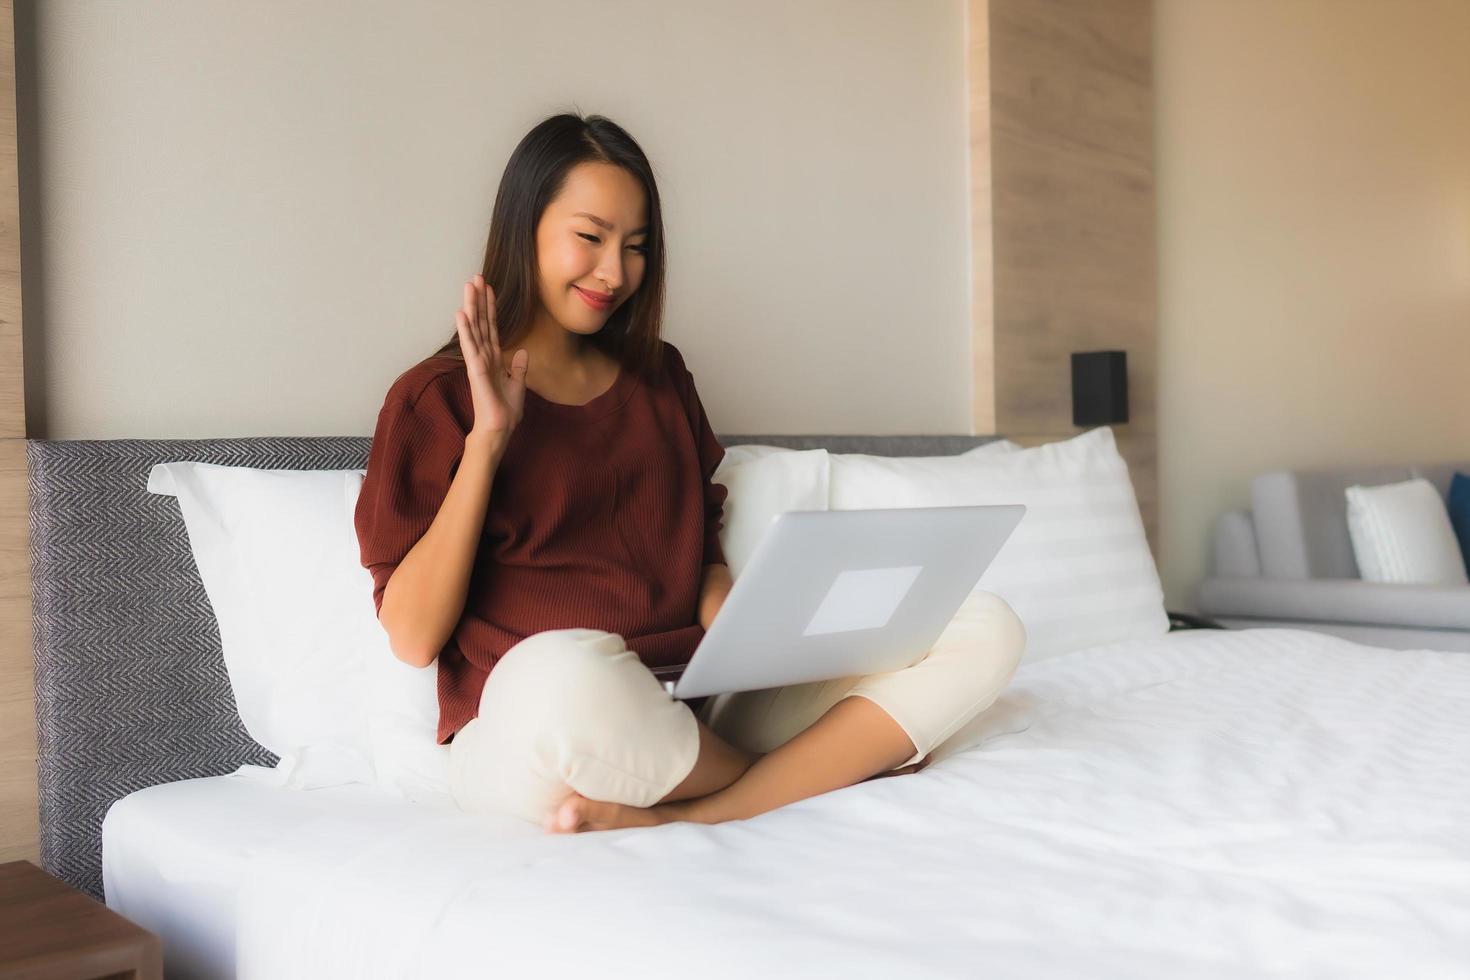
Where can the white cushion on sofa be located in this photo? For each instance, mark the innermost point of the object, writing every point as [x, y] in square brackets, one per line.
[1077, 569]
[1401, 534]
[272, 556]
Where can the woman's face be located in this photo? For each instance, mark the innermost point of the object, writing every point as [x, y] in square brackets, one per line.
[590, 246]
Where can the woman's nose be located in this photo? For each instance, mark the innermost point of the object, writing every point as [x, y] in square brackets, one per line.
[610, 266]
[612, 274]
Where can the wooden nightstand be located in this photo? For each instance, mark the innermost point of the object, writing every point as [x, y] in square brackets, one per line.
[51, 931]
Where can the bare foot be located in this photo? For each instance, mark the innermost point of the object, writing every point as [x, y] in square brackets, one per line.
[577, 813]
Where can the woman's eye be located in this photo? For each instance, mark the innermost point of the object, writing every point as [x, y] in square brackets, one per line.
[640, 249]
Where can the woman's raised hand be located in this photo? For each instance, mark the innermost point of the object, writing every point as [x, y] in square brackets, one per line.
[497, 390]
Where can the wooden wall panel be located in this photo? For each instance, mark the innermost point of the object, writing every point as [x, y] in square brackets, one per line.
[12, 387]
[19, 829]
[982, 243]
[1061, 142]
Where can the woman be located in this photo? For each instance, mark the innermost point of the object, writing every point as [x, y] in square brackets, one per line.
[539, 517]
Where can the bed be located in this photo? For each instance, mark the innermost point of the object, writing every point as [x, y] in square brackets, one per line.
[1204, 803]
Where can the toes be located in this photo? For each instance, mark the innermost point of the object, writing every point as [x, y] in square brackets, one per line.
[565, 818]
[577, 813]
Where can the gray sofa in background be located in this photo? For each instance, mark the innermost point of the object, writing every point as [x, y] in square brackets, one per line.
[1288, 562]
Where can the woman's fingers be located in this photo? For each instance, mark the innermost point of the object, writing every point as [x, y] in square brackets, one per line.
[471, 309]
[471, 314]
[482, 318]
[466, 340]
[492, 331]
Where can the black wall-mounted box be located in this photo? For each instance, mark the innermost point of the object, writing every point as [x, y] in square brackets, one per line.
[1099, 387]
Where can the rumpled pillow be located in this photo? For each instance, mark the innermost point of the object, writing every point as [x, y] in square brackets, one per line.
[273, 558]
[1077, 569]
[1401, 534]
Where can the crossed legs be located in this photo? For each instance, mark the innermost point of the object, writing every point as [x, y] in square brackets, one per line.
[574, 733]
[854, 740]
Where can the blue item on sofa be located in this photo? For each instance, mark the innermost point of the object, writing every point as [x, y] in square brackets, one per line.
[1460, 513]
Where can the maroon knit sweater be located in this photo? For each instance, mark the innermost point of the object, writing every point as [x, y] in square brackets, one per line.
[601, 516]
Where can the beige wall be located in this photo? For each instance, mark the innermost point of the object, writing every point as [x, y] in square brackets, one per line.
[1314, 246]
[253, 216]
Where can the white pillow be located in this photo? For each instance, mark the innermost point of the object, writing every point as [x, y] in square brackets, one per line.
[764, 481]
[272, 556]
[991, 448]
[748, 451]
[752, 450]
[1401, 533]
[1077, 569]
[402, 701]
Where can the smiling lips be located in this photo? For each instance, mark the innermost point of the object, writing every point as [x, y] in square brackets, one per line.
[598, 301]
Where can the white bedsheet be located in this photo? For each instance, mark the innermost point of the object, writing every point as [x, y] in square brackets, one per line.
[1209, 804]
[174, 855]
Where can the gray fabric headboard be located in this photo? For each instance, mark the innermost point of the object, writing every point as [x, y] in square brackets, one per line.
[131, 688]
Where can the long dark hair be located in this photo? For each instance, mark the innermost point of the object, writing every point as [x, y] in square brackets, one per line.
[533, 176]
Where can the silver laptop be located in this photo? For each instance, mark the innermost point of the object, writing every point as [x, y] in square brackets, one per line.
[833, 593]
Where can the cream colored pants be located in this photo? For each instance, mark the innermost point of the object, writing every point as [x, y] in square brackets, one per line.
[576, 710]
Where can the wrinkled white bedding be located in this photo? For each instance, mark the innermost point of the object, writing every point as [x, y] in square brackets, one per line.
[1208, 804]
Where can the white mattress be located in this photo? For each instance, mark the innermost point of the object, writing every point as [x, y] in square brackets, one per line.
[1210, 804]
[173, 855]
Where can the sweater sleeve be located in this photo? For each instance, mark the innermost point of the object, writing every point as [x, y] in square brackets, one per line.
[710, 454]
[416, 450]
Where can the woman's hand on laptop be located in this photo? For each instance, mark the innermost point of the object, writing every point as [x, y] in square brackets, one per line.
[713, 589]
